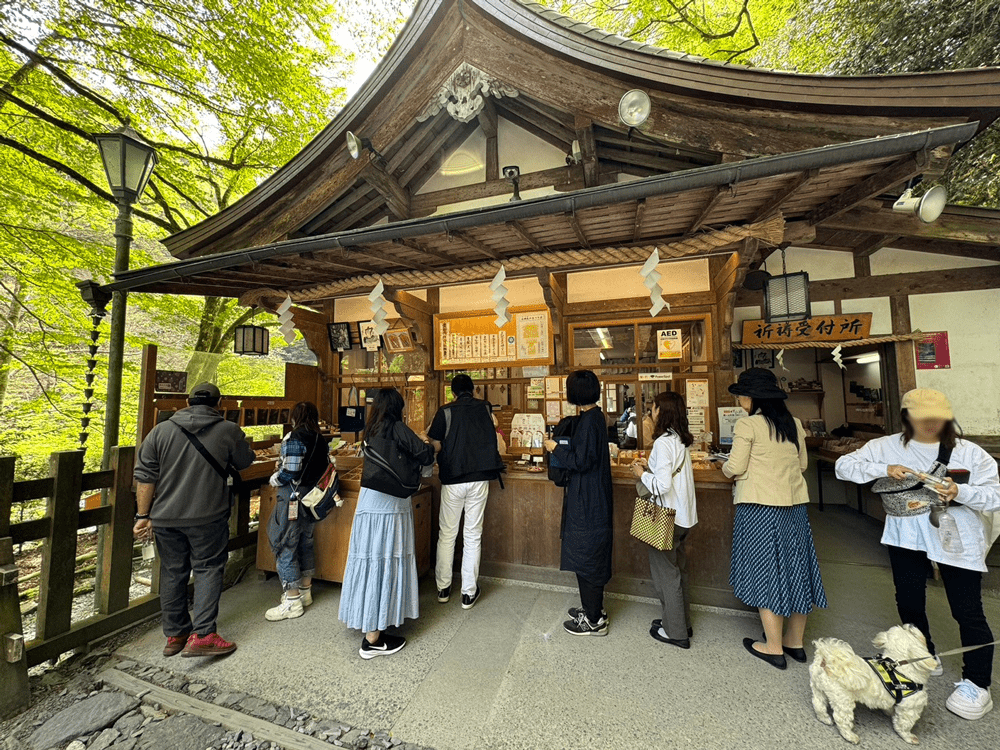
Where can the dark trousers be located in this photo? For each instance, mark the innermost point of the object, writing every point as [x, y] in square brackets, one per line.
[668, 569]
[202, 549]
[591, 598]
[964, 589]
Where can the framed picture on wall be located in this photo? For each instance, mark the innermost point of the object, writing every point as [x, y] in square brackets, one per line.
[398, 341]
[368, 335]
[763, 358]
[340, 336]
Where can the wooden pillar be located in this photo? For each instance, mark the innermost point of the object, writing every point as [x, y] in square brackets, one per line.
[431, 376]
[906, 368]
[115, 558]
[55, 596]
[147, 390]
[15, 693]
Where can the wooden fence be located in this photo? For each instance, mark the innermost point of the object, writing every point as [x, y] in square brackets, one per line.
[55, 633]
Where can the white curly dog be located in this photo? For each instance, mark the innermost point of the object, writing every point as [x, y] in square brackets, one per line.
[840, 679]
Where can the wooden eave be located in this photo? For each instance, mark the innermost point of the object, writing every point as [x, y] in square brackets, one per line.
[811, 190]
[570, 77]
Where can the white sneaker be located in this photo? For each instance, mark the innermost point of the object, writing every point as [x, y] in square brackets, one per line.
[970, 701]
[939, 667]
[307, 595]
[287, 610]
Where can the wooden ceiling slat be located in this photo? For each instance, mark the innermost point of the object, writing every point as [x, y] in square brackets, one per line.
[430, 151]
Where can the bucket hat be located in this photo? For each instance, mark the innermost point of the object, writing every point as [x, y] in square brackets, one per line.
[757, 383]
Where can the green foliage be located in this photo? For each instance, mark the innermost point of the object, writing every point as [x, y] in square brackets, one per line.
[225, 91]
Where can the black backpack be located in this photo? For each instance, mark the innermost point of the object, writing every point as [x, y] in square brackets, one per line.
[562, 433]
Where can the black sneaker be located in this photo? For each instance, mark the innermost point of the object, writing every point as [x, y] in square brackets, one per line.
[575, 612]
[582, 626]
[444, 595]
[468, 602]
[386, 645]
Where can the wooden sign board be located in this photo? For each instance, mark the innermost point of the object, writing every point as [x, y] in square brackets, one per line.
[822, 328]
[472, 339]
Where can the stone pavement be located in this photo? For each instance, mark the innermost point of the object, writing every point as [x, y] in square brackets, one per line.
[503, 675]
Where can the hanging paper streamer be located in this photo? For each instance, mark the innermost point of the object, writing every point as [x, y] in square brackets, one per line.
[838, 358]
[377, 303]
[651, 280]
[780, 359]
[499, 293]
[285, 323]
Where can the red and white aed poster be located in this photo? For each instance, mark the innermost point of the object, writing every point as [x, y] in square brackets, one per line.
[933, 352]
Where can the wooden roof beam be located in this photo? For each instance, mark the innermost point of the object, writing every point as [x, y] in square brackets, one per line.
[954, 249]
[339, 258]
[949, 227]
[581, 236]
[540, 122]
[419, 247]
[707, 209]
[640, 209]
[659, 163]
[519, 229]
[396, 197]
[778, 200]
[430, 151]
[899, 171]
[873, 244]
[488, 122]
[476, 245]
[588, 150]
[336, 207]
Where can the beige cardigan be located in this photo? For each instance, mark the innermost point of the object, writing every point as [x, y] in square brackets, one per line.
[767, 472]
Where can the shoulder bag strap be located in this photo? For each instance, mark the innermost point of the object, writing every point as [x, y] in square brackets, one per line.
[944, 455]
[200, 447]
[305, 464]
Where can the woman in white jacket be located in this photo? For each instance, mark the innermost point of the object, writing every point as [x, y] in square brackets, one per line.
[930, 432]
[668, 475]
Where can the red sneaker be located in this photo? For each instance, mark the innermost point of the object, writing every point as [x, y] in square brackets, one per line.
[207, 645]
[175, 644]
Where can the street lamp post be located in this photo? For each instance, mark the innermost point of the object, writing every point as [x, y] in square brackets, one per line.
[128, 163]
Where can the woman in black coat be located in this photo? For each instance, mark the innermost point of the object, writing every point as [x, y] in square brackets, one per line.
[588, 507]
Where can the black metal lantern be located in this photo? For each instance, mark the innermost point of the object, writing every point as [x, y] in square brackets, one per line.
[128, 162]
[252, 340]
[786, 297]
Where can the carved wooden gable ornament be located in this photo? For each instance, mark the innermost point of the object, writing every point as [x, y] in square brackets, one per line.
[464, 94]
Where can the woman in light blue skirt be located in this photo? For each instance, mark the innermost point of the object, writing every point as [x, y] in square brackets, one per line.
[380, 580]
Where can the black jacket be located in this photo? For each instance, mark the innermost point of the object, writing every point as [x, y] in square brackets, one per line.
[588, 504]
[468, 444]
[405, 453]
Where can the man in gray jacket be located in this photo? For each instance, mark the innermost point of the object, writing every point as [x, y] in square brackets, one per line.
[183, 500]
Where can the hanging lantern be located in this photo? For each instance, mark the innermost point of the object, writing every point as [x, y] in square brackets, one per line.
[252, 340]
[786, 297]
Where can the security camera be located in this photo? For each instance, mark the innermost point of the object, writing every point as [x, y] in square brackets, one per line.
[511, 172]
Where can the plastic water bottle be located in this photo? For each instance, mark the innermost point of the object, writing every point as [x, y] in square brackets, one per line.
[951, 542]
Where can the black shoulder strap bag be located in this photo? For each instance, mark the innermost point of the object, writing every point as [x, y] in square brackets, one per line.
[226, 473]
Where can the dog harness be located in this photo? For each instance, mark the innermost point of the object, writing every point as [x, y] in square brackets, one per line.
[899, 687]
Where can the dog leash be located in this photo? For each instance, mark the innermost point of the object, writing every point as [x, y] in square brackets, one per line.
[949, 653]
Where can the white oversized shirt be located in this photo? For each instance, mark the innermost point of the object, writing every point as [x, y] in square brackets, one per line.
[672, 490]
[979, 500]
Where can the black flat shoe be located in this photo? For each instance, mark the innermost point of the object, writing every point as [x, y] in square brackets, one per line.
[679, 642]
[798, 654]
[657, 624]
[778, 662]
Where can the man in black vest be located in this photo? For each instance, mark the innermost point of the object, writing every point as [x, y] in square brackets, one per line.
[465, 437]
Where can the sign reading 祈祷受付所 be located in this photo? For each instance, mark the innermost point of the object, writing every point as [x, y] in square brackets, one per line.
[820, 328]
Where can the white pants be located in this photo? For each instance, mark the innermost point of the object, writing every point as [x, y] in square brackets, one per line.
[470, 497]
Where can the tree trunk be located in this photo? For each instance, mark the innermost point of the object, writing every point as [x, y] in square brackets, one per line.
[8, 333]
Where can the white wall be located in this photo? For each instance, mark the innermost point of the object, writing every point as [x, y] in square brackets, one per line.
[679, 277]
[973, 382]
[819, 264]
[352, 309]
[889, 260]
[477, 296]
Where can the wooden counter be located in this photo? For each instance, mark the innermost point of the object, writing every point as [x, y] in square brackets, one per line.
[521, 537]
[333, 534]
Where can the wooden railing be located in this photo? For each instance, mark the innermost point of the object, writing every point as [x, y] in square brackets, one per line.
[55, 632]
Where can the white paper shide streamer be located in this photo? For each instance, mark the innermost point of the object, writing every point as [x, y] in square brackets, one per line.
[780, 359]
[651, 280]
[838, 357]
[499, 293]
[377, 304]
[286, 324]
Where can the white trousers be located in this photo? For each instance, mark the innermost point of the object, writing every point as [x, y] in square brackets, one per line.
[455, 498]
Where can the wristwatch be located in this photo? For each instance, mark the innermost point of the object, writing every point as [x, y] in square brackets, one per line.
[142, 516]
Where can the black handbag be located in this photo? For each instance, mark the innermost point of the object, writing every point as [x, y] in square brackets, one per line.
[351, 417]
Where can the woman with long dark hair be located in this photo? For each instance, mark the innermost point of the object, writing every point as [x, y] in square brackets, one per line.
[669, 476]
[588, 507]
[774, 566]
[304, 458]
[380, 580]
[931, 438]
